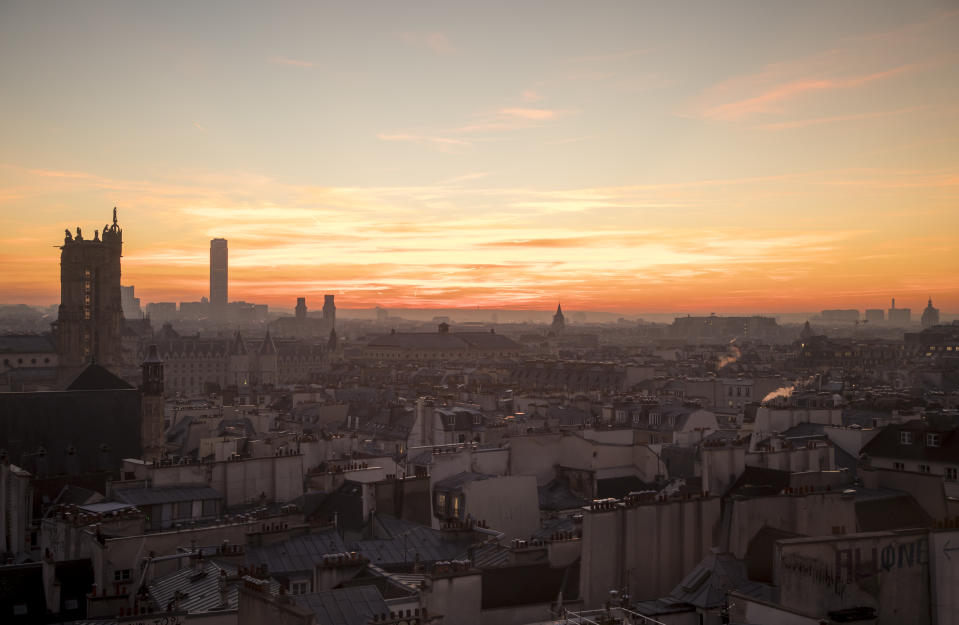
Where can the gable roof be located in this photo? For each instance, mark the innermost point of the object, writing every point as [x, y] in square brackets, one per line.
[97, 378]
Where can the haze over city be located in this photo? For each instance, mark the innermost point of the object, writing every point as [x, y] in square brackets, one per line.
[628, 157]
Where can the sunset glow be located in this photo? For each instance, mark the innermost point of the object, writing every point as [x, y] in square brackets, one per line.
[713, 157]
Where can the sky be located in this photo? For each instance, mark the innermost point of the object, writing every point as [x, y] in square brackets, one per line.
[633, 157]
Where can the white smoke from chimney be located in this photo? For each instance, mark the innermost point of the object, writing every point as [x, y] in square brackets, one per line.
[784, 391]
[733, 354]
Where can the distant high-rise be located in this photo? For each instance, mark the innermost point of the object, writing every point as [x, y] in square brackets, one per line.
[131, 303]
[899, 315]
[329, 312]
[301, 308]
[90, 318]
[219, 279]
[875, 315]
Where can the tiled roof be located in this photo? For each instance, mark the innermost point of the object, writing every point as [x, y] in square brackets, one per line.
[199, 588]
[96, 378]
[27, 344]
[344, 606]
[298, 554]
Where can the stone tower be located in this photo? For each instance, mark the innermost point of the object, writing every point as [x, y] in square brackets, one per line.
[89, 322]
[151, 406]
[559, 321]
[329, 313]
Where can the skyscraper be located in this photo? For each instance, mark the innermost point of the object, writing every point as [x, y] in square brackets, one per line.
[90, 318]
[219, 279]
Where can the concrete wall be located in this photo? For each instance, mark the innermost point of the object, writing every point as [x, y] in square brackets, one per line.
[770, 420]
[926, 488]
[850, 440]
[539, 455]
[649, 547]
[722, 466]
[458, 598]
[888, 571]
[944, 553]
[16, 509]
[280, 478]
[813, 514]
[508, 504]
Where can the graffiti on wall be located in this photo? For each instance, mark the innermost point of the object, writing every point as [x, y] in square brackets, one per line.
[858, 566]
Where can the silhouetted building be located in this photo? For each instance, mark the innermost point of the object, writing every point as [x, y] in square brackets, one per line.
[559, 321]
[441, 345]
[722, 329]
[899, 315]
[846, 315]
[301, 326]
[90, 426]
[130, 303]
[219, 278]
[89, 323]
[930, 316]
[329, 312]
[151, 406]
[875, 315]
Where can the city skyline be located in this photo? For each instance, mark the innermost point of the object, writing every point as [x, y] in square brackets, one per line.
[635, 159]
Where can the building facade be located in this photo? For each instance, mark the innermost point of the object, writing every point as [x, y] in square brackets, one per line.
[89, 322]
[219, 277]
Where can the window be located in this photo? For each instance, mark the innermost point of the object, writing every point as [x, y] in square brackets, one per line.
[952, 474]
[300, 587]
[477, 419]
[451, 420]
[924, 468]
[932, 439]
[905, 438]
[121, 575]
[441, 502]
[898, 466]
[209, 507]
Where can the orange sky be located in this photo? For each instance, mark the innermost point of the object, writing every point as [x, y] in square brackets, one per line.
[634, 159]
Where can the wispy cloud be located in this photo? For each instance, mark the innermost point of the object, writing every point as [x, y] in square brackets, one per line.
[531, 95]
[816, 121]
[282, 60]
[607, 57]
[436, 42]
[443, 143]
[199, 127]
[771, 98]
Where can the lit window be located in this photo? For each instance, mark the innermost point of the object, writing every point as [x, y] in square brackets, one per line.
[905, 438]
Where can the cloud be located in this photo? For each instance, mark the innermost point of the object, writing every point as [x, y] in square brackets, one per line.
[608, 57]
[772, 98]
[816, 121]
[199, 127]
[437, 42]
[281, 60]
[443, 143]
[530, 95]
[512, 118]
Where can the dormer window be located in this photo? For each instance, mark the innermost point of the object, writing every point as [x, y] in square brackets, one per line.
[932, 439]
[451, 420]
[905, 438]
